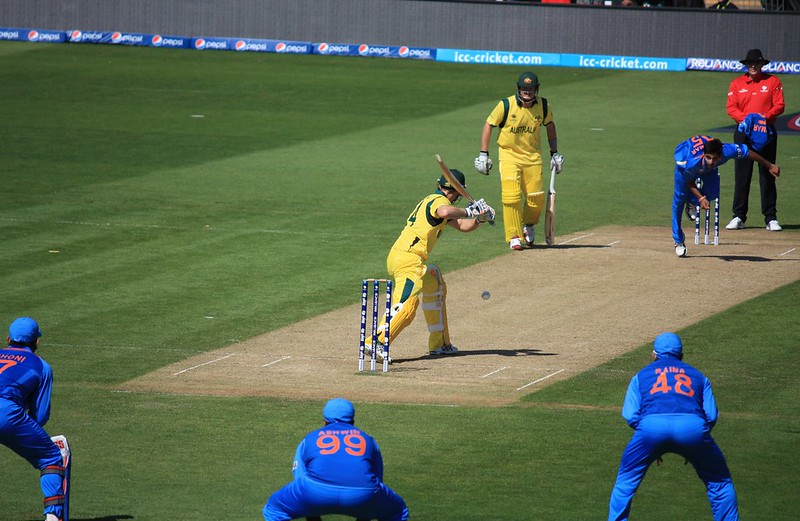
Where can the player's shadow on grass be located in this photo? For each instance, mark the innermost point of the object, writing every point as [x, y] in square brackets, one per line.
[473, 352]
[116, 517]
[745, 258]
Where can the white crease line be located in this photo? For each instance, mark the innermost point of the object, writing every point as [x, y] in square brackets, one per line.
[493, 372]
[613, 243]
[276, 361]
[539, 380]
[205, 363]
[576, 238]
[787, 252]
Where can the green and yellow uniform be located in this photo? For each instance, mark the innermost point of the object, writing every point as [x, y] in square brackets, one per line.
[520, 155]
[406, 263]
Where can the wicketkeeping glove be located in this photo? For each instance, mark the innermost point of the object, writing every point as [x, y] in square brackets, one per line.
[557, 162]
[483, 163]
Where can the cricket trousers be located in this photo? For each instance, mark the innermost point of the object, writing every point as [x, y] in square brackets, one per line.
[22, 434]
[685, 435]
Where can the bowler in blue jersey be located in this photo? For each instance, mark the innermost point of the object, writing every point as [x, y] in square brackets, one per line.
[25, 385]
[671, 407]
[338, 469]
[697, 161]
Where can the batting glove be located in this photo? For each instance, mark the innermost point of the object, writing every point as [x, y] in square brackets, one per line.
[557, 162]
[476, 209]
[488, 216]
[483, 163]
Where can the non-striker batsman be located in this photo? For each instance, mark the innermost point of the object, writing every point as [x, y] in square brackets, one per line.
[520, 119]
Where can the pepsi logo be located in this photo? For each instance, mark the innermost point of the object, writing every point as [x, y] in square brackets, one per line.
[363, 49]
[280, 47]
[794, 123]
[75, 36]
[116, 37]
[240, 45]
[403, 51]
[200, 43]
[323, 48]
[33, 36]
[157, 40]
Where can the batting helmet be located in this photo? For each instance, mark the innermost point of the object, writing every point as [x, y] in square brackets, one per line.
[527, 87]
[527, 80]
[458, 174]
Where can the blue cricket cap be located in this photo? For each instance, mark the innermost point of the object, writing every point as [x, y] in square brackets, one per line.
[339, 410]
[24, 330]
[668, 344]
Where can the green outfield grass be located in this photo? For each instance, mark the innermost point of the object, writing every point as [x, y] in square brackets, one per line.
[146, 190]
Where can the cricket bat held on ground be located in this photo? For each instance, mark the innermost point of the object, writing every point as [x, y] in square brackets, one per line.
[550, 214]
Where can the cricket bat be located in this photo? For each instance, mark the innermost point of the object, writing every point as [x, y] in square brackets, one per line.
[550, 214]
[66, 457]
[462, 191]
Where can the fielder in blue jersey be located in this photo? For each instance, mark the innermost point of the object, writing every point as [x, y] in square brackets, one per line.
[700, 158]
[25, 384]
[337, 469]
[671, 408]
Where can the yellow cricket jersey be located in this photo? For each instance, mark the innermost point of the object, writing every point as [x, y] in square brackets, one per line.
[423, 227]
[518, 138]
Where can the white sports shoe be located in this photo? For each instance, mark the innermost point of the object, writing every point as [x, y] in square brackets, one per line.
[735, 224]
[773, 226]
[515, 244]
[528, 235]
[680, 250]
[445, 350]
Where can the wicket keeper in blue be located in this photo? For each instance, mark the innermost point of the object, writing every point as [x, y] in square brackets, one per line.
[700, 158]
[671, 407]
[25, 384]
[338, 469]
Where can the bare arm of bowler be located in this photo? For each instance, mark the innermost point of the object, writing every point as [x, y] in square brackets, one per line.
[774, 170]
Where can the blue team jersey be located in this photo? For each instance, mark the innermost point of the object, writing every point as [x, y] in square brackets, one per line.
[340, 454]
[669, 386]
[26, 380]
[689, 157]
[755, 127]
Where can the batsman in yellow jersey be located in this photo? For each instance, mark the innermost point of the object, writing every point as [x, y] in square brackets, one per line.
[413, 276]
[520, 119]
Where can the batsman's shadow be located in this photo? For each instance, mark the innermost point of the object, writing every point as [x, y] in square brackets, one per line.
[477, 352]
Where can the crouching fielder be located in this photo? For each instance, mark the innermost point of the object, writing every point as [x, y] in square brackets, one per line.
[25, 386]
[337, 469]
[671, 407]
[406, 262]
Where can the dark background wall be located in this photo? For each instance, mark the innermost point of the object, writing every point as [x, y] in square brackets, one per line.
[532, 27]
